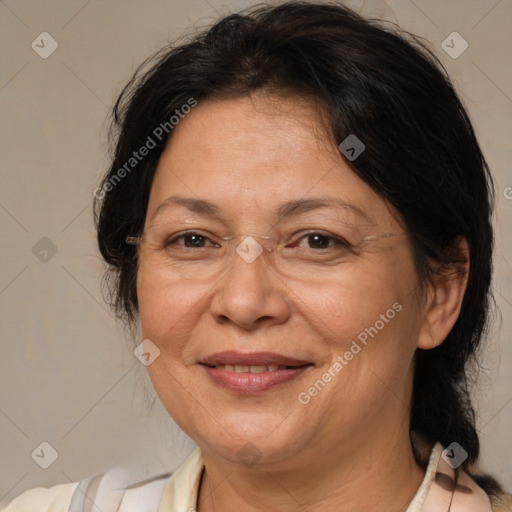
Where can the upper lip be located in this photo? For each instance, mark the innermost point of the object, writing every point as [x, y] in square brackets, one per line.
[251, 359]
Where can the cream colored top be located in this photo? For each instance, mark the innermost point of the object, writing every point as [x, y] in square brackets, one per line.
[179, 493]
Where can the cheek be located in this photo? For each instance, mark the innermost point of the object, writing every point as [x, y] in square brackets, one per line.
[168, 309]
[344, 307]
[370, 338]
[368, 313]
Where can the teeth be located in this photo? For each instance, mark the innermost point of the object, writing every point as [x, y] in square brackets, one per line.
[250, 369]
[257, 369]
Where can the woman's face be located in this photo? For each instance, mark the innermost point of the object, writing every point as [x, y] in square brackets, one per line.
[341, 322]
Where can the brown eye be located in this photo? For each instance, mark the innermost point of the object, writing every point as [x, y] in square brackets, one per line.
[321, 241]
[189, 240]
[318, 241]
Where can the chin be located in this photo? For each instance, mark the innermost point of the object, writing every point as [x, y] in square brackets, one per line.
[256, 438]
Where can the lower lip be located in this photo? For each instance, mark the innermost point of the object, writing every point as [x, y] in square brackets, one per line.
[251, 383]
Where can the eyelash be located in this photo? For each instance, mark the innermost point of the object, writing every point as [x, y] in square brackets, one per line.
[337, 240]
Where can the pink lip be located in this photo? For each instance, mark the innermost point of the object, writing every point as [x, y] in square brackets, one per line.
[252, 359]
[252, 383]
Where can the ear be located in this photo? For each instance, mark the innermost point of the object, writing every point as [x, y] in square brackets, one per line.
[444, 299]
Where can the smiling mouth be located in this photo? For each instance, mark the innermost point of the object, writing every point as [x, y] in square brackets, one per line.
[252, 373]
[253, 379]
[254, 368]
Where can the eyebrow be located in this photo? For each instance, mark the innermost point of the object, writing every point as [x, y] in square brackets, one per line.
[284, 211]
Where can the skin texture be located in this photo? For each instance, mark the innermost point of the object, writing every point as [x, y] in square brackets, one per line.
[248, 156]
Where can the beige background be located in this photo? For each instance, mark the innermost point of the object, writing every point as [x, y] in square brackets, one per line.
[68, 375]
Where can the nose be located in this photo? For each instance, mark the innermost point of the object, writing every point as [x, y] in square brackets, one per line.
[250, 294]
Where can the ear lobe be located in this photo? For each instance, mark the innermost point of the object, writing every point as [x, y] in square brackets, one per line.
[445, 296]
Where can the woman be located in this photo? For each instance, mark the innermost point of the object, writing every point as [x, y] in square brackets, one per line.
[298, 213]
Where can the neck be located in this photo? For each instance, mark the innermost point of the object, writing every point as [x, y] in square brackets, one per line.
[378, 472]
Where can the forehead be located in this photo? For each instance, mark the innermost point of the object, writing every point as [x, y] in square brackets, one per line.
[251, 155]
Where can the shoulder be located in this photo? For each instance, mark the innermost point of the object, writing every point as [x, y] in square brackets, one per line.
[110, 491]
[501, 502]
[52, 499]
